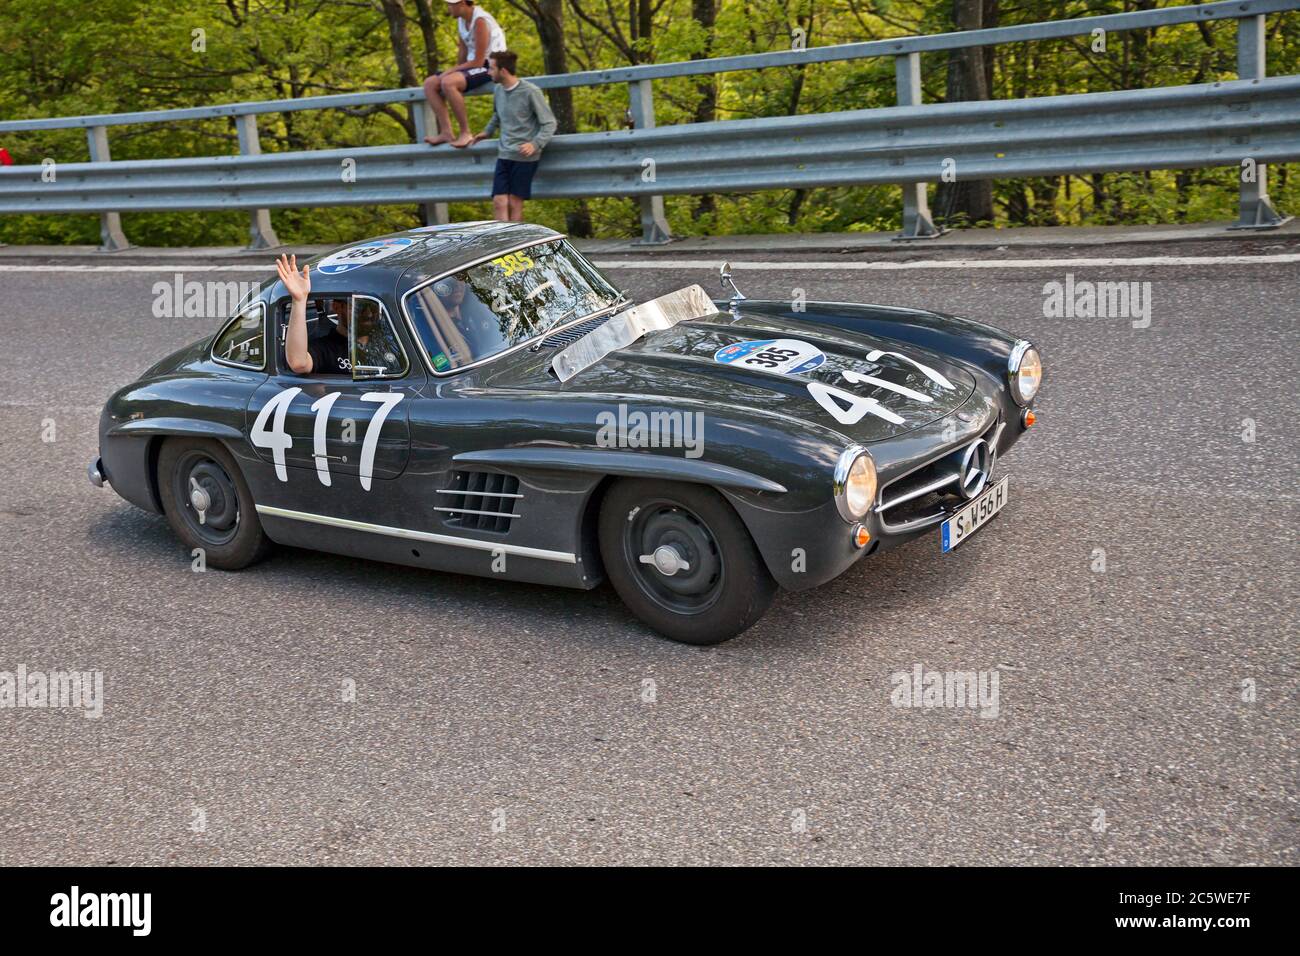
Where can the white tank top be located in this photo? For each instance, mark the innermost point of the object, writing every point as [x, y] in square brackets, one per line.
[496, 36]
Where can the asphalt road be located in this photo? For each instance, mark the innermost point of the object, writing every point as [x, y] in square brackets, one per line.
[506, 723]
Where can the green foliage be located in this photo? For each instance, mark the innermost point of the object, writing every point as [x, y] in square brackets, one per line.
[102, 56]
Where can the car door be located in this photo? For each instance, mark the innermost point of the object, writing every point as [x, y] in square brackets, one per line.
[327, 440]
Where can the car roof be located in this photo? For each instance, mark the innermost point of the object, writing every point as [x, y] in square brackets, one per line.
[389, 266]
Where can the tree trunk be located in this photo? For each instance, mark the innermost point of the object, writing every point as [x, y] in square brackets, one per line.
[549, 20]
[400, 40]
[644, 26]
[428, 30]
[548, 17]
[706, 14]
[968, 80]
[796, 92]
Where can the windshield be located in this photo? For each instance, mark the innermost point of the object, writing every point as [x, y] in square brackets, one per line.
[473, 314]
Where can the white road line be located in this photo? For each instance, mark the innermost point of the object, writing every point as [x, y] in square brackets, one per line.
[790, 264]
[165, 267]
[796, 265]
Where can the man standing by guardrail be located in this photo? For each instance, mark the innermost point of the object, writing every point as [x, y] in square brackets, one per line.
[527, 125]
[480, 35]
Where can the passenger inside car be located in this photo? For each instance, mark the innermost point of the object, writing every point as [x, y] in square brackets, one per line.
[330, 353]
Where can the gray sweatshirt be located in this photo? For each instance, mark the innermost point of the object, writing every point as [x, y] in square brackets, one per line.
[523, 117]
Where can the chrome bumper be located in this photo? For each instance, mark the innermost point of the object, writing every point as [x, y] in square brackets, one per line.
[95, 472]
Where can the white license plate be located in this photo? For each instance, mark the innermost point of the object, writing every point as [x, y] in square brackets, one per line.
[974, 516]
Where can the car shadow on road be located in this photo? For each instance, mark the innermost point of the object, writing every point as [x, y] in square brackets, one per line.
[142, 540]
[899, 581]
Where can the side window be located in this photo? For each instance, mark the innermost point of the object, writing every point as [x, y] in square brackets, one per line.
[376, 350]
[325, 316]
[242, 342]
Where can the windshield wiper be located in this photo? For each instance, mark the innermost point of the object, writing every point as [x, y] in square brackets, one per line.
[542, 336]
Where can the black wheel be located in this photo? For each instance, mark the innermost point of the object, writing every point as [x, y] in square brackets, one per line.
[680, 558]
[208, 504]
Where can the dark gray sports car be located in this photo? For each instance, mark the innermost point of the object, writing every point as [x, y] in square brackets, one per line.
[509, 412]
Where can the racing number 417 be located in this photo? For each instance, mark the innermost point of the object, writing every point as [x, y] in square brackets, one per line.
[278, 440]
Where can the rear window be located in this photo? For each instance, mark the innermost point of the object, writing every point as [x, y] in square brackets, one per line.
[242, 342]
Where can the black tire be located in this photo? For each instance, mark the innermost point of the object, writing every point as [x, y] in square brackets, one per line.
[724, 587]
[229, 532]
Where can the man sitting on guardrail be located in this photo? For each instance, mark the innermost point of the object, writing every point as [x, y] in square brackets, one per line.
[480, 34]
[527, 125]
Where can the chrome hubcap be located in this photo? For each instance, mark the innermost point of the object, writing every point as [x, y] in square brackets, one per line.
[667, 560]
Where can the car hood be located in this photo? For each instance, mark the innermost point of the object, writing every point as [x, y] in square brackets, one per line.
[793, 370]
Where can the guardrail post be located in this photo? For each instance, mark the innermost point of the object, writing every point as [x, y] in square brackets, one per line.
[260, 233]
[641, 106]
[1255, 209]
[111, 237]
[431, 213]
[917, 223]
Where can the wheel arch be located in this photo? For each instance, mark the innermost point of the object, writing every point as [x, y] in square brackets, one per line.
[130, 452]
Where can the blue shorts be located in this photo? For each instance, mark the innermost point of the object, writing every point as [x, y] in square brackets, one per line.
[514, 178]
[475, 76]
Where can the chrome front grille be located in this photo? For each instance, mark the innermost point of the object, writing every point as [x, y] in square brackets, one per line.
[480, 500]
[926, 495]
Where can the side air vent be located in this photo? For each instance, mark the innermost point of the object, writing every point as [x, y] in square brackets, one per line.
[570, 335]
[480, 500]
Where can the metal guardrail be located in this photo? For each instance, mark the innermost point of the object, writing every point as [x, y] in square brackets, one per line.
[1180, 127]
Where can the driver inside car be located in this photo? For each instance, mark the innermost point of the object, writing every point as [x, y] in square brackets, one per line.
[328, 355]
[477, 323]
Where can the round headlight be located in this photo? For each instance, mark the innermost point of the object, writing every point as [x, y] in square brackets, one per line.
[855, 483]
[1025, 372]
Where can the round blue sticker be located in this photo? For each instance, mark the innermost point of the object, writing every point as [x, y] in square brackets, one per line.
[354, 257]
[782, 356]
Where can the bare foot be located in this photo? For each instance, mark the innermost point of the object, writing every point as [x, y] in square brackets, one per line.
[463, 140]
[437, 140]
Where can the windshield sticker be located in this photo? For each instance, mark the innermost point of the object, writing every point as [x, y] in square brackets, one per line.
[354, 257]
[513, 263]
[782, 356]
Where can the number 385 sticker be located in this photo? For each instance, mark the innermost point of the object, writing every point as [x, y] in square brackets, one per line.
[354, 257]
[782, 356]
[279, 441]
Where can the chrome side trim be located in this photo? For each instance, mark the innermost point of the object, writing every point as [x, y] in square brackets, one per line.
[471, 511]
[541, 554]
[482, 494]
